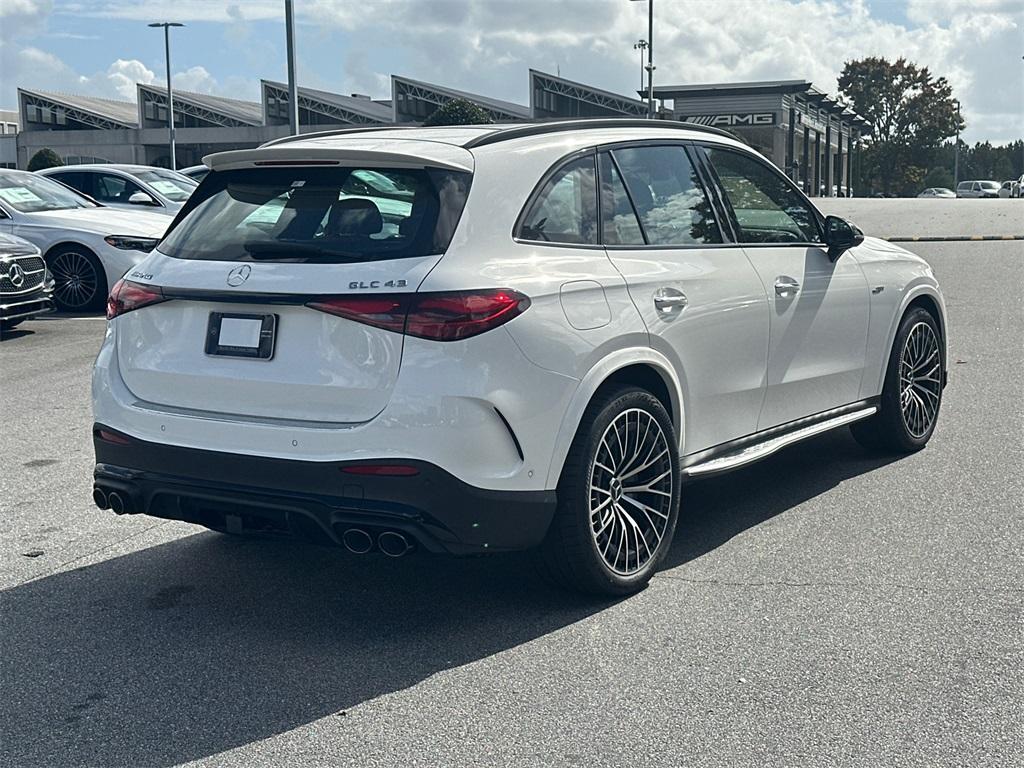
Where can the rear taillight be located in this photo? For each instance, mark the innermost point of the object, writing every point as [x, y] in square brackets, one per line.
[446, 316]
[127, 296]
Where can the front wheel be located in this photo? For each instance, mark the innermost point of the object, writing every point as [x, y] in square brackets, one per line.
[79, 282]
[618, 498]
[912, 392]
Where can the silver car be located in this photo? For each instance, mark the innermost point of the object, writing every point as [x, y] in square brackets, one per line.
[86, 246]
[158, 190]
[26, 287]
[937, 192]
[977, 189]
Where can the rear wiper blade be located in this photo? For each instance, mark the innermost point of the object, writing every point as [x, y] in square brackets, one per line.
[264, 250]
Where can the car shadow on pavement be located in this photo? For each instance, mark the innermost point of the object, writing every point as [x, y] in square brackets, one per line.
[207, 643]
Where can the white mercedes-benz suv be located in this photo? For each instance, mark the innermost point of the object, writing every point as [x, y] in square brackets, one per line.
[486, 338]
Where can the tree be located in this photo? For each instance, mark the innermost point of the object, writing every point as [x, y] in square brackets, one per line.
[458, 112]
[44, 158]
[911, 114]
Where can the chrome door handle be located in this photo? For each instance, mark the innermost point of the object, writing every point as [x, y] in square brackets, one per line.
[669, 300]
[786, 287]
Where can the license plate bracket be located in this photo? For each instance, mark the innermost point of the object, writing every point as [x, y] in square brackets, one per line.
[233, 334]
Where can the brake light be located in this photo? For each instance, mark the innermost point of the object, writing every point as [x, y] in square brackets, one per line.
[443, 316]
[127, 296]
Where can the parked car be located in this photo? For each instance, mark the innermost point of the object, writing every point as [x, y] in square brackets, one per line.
[977, 189]
[1010, 188]
[86, 246]
[26, 287]
[195, 172]
[937, 192]
[158, 190]
[571, 320]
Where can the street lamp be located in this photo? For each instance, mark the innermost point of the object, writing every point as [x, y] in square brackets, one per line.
[956, 151]
[170, 95]
[641, 45]
[650, 57]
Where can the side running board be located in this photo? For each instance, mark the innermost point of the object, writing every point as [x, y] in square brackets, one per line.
[758, 451]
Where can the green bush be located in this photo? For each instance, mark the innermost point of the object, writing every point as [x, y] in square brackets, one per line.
[458, 112]
[44, 158]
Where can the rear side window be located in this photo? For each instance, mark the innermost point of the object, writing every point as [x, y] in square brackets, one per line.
[668, 196]
[619, 224]
[565, 211]
[325, 215]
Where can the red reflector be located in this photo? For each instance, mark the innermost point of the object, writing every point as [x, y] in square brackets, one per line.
[392, 470]
[127, 296]
[445, 316]
[111, 437]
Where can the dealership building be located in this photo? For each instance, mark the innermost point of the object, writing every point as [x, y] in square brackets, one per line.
[814, 138]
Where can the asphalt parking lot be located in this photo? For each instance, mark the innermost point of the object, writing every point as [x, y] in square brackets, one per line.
[824, 607]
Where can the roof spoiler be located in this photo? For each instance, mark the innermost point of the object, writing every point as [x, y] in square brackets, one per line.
[381, 153]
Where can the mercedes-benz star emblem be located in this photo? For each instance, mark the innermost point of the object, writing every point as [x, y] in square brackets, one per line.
[16, 275]
[239, 275]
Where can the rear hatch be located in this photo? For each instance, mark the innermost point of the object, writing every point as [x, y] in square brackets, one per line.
[234, 333]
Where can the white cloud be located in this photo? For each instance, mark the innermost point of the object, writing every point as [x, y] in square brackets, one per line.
[486, 46]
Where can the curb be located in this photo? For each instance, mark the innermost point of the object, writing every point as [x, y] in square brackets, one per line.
[960, 239]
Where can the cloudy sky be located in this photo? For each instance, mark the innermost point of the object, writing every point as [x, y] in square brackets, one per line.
[102, 47]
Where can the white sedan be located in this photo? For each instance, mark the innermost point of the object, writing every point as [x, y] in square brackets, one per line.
[87, 246]
[131, 187]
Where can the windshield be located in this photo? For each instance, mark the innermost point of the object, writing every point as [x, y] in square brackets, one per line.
[174, 186]
[326, 215]
[29, 193]
[990, 185]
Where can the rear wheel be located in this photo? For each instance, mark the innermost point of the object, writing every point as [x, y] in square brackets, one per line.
[618, 498]
[79, 282]
[912, 392]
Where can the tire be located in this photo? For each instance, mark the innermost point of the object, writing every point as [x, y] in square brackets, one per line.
[913, 378]
[80, 284]
[625, 441]
[7, 325]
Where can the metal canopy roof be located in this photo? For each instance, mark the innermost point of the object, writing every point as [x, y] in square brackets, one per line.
[102, 113]
[737, 89]
[345, 108]
[214, 109]
[583, 92]
[439, 94]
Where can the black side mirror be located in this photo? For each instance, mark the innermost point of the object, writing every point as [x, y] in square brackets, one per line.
[841, 235]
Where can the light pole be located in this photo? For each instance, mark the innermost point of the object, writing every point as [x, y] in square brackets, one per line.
[650, 57]
[956, 151]
[641, 45]
[293, 88]
[170, 94]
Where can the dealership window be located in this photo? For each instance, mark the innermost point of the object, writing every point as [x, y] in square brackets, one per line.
[668, 196]
[565, 211]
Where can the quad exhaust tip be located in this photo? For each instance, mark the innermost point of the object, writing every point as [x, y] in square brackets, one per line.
[99, 497]
[357, 540]
[117, 503]
[393, 544]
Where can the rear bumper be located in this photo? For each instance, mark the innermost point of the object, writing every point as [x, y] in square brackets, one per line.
[25, 306]
[318, 501]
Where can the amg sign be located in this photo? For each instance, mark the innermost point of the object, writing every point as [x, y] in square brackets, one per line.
[733, 119]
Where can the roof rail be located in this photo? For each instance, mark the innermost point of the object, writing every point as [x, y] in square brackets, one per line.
[336, 132]
[557, 126]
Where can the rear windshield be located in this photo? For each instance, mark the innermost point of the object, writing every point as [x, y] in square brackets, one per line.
[326, 215]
